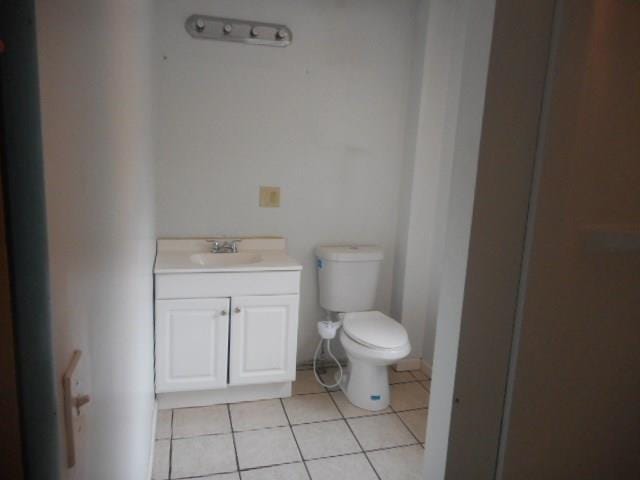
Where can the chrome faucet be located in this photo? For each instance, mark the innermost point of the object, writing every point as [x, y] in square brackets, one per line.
[224, 247]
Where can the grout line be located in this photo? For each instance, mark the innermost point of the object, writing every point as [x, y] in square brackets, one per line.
[411, 409]
[206, 476]
[374, 450]
[423, 386]
[296, 440]
[405, 424]
[405, 382]
[270, 466]
[425, 379]
[356, 438]
[309, 393]
[233, 437]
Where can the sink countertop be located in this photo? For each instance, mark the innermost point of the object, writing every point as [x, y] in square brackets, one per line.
[175, 255]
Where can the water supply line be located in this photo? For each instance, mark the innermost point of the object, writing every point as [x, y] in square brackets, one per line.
[327, 330]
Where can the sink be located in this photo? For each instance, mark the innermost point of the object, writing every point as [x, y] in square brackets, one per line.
[225, 259]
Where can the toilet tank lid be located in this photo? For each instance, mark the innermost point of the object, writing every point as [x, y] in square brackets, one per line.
[350, 253]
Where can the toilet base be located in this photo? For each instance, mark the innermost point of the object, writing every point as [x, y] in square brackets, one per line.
[366, 385]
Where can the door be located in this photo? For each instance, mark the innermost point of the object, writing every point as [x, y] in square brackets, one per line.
[264, 333]
[191, 344]
[573, 411]
[11, 460]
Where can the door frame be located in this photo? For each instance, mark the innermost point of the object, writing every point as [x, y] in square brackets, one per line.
[26, 239]
[11, 439]
[485, 244]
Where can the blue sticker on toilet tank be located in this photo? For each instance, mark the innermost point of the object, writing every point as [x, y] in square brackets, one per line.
[375, 397]
[319, 263]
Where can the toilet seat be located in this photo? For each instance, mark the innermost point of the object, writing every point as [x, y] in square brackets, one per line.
[374, 330]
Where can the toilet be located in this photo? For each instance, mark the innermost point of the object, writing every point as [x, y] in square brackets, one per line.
[348, 281]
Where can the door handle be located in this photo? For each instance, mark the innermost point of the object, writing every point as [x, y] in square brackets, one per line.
[237, 310]
[223, 313]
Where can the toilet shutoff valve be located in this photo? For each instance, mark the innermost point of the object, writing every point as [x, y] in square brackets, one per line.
[327, 329]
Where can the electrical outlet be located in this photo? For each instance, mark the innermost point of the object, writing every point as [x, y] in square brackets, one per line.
[270, 197]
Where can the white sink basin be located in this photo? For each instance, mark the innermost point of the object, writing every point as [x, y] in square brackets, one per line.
[222, 260]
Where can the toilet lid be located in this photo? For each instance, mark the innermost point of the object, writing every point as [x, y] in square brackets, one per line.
[374, 329]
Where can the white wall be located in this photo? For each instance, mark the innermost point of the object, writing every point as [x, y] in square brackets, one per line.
[323, 118]
[470, 23]
[94, 74]
[404, 264]
[423, 217]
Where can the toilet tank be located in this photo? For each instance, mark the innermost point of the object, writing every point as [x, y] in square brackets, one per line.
[348, 276]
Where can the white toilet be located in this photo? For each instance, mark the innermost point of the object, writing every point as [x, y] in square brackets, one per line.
[348, 280]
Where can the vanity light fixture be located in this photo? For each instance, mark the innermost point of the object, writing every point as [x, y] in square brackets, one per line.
[240, 31]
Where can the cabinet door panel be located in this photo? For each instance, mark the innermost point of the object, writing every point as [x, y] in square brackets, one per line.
[263, 342]
[191, 344]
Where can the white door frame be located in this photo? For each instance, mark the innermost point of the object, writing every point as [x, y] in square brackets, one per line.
[493, 160]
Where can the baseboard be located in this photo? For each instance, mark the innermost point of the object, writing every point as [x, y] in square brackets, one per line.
[308, 365]
[154, 422]
[408, 364]
[231, 394]
[425, 368]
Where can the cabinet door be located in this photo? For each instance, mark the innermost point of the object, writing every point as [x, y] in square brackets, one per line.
[191, 344]
[264, 332]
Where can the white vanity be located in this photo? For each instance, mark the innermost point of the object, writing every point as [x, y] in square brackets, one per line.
[225, 323]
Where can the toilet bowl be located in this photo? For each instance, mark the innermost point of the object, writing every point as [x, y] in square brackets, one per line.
[372, 342]
[348, 281]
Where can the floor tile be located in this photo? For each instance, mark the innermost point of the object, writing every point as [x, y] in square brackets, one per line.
[163, 424]
[400, 377]
[325, 439]
[310, 408]
[349, 410]
[404, 463]
[381, 431]
[261, 448]
[292, 471]
[161, 460]
[426, 385]
[416, 420]
[347, 467]
[198, 456]
[190, 422]
[407, 396]
[261, 414]
[306, 383]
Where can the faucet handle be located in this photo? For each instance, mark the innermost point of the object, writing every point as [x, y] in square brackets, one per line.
[234, 245]
[215, 244]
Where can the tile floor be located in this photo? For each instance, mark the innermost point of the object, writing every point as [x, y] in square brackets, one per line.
[314, 435]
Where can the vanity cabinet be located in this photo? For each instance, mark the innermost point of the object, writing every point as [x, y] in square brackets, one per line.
[262, 346]
[226, 324]
[192, 344]
[198, 341]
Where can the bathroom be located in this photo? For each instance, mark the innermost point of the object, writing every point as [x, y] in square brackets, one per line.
[247, 179]
[150, 132]
[333, 120]
[324, 120]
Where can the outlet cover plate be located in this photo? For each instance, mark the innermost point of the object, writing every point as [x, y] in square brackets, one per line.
[270, 197]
